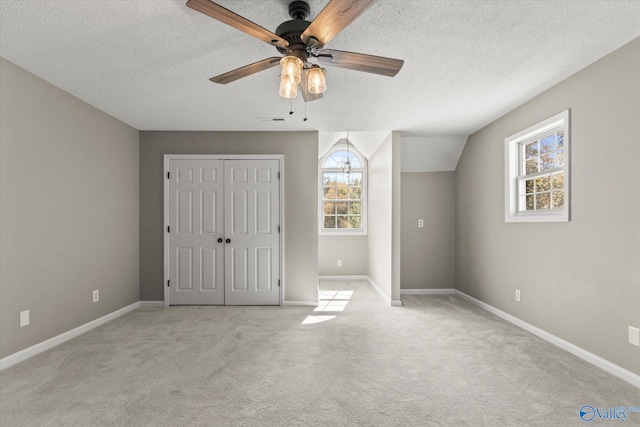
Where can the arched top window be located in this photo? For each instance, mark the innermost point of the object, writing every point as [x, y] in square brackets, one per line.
[337, 158]
[343, 177]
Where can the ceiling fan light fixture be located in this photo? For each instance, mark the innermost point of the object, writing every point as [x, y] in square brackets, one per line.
[316, 83]
[299, 40]
[287, 89]
[291, 69]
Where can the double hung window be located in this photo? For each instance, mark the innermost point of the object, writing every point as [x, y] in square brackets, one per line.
[537, 172]
[343, 176]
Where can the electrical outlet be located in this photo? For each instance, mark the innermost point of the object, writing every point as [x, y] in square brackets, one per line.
[339, 263]
[24, 318]
[420, 223]
[96, 295]
[634, 336]
[518, 295]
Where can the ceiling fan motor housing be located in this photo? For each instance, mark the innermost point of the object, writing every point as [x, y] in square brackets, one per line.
[291, 32]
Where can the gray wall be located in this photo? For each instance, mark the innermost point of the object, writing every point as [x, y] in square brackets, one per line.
[352, 250]
[300, 150]
[428, 253]
[580, 280]
[68, 210]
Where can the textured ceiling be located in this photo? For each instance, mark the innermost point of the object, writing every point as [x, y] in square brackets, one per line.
[147, 63]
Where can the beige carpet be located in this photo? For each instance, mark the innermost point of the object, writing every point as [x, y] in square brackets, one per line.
[436, 361]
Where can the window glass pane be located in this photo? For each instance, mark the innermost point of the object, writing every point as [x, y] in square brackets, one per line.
[329, 208]
[546, 161]
[342, 208]
[558, 199]
[355, 162]
[342, 222]
[531, 150]
[354, 222]
[342, 191]
[531, 166]
[529, 202]
[543, 201]
[543, 183]
[355, 208]
[339, 157]
[560, 158]
[329, 222]
[331, 162]
[330, 193]
[560, 139]
[329, 178]
[546, 144]
[529, 186]
[355, 192]
[557, 181]
[356, 178]
[342, 178]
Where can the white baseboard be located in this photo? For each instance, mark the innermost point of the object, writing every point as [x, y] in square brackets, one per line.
[367, 279]
[583, 354]
[394, 303]
[300, 303]
[344, 278]
[151, 304]
[21, 355]
[445, 291]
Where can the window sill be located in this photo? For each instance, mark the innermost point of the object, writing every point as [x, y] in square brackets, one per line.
[551, 216]
[342, 233]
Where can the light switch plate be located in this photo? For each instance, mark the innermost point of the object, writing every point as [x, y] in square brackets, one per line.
[24, 318]
[634, 336]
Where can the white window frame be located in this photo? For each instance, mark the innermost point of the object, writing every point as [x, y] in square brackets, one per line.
[512, 150]
[363, 216]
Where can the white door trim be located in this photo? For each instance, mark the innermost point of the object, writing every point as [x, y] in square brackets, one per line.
[168, 157]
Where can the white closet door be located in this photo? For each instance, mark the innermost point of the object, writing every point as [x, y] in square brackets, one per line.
[252, 204]
[196, 218]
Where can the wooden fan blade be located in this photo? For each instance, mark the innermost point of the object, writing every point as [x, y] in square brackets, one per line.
[361, 62]
[304, 89]
[247, 70]
[236, 21]
[334, 18]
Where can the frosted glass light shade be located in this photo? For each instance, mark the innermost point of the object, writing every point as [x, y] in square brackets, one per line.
[288, 89]
[316, 83]
[291, 69]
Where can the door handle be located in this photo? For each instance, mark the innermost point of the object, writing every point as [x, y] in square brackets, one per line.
[219, 239]
[228, 240]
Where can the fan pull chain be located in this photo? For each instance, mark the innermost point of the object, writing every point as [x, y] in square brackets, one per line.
[305, 112]
[290, 106]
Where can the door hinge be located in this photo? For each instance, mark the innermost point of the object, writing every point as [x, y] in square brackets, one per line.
[168, 283]
[168, 229]
[278, 282]
[278, 175]
[168, 175]
[278, 229]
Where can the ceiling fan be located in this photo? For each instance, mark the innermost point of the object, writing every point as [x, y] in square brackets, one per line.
[299, 40]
